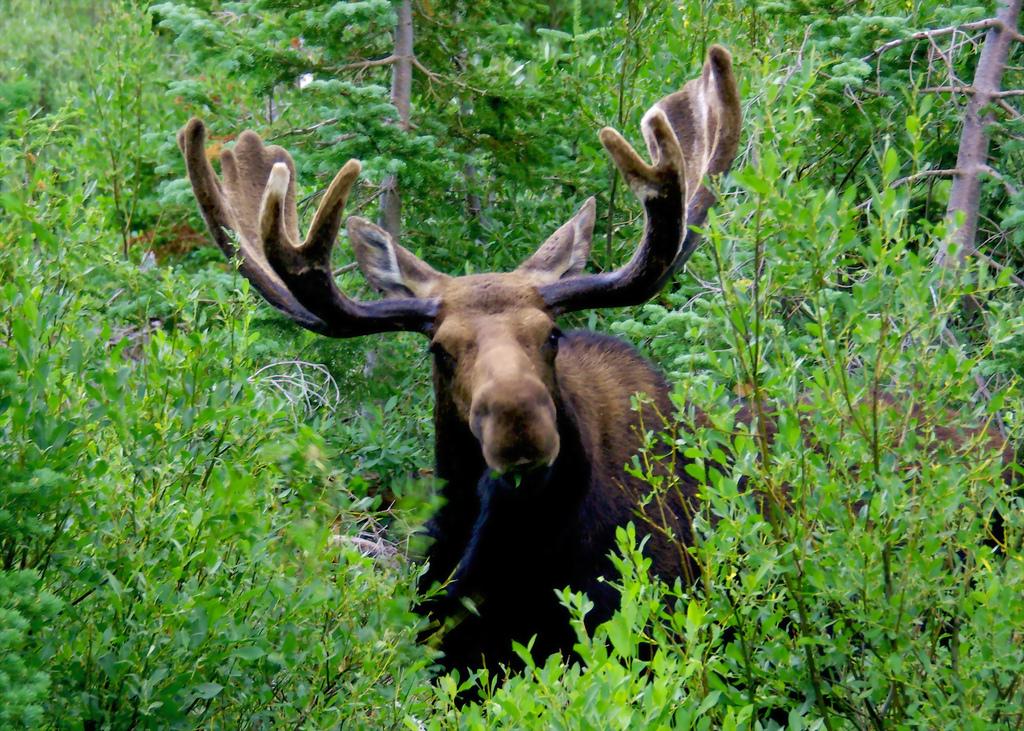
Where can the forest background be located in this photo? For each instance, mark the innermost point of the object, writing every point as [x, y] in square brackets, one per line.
[208, 516]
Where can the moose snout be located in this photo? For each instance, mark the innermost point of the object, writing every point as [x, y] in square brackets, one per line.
[515, 425]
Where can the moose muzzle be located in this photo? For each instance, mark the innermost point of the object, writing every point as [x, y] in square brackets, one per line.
[514, 420]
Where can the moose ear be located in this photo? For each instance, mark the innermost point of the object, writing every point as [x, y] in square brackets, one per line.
[391, 269]
[565, 253]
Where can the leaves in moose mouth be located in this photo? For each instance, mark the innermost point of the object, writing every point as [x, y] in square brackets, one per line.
[513, 478]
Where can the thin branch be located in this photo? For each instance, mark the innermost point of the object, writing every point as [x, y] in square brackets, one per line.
[797, 66]
[362, 65]
[929, 34]
[982, 391]
[942, 172]
[1014, 114]
[321, 144]
[305, 130]
[1011, 189]
[431, 76]
[999, 267]
[369, 199]
[972, 90]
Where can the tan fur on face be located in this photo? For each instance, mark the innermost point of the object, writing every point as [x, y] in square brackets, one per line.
[493, 359]
[496, 329]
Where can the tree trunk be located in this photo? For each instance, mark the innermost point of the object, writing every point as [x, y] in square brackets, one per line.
[401, 93]
[474, 206]
[972, 156]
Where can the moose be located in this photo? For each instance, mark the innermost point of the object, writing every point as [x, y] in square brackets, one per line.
[534, 426]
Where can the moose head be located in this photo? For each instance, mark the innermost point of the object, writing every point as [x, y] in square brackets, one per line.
[494, 337]
[513, 393]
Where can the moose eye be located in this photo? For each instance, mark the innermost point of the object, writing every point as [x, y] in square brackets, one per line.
[442, 357]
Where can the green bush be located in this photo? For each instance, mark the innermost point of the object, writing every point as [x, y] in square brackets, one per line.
[196, 537]
[25, 612]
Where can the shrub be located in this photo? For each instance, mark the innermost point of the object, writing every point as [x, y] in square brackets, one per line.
[25, 612]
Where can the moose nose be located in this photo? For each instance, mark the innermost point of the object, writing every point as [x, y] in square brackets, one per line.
[515, 424]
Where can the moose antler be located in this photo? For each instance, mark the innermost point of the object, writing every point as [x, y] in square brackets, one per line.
[256, 201]
[689, 134]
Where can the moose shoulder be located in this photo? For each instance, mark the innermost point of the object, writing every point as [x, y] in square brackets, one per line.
[533, 426]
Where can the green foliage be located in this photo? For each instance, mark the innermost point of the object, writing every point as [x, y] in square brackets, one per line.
[204, 513]
[127, 119]
[24, 682]
[16, 94]
[852, 576]
[195, 538]
[39, 53]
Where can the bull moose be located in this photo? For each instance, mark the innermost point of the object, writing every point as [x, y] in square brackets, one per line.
[533, 426]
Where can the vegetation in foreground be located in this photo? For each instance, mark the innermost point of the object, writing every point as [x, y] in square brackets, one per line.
[207, 518]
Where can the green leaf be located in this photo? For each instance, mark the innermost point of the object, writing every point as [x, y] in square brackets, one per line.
[709, 701]
[249, 653]
[206, 691]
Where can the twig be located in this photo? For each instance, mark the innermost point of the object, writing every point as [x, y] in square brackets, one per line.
[305, 130]
[797, 66]
[361, 65]
[323, 144]
[971, 90]
[942, 172]
[369, 199]
[309, 386]
[1008, 109]
[999, 267]
[1011, 189]
[432, 76]
[929, 34]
